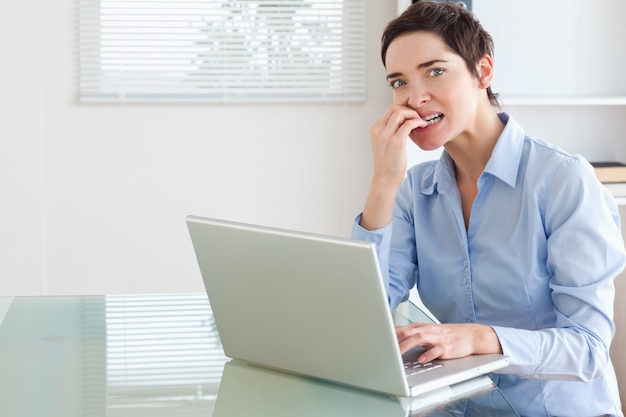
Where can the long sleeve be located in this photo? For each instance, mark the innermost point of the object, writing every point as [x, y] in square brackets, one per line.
[381, 239]
[585, 253]
[395, 242]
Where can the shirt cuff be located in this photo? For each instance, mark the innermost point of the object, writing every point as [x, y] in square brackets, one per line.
[378, 236]
[520, 346]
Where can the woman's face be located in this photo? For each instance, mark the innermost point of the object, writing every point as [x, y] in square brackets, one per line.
[428, 77]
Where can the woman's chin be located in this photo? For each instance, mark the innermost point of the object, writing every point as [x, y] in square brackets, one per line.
[426, 145]
[424, 140]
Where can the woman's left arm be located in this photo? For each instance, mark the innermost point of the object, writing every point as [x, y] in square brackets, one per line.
[585, 255]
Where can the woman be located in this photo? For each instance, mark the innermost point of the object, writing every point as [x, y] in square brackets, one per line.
[512, 243]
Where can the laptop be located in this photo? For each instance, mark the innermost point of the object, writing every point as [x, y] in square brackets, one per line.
[312, 305]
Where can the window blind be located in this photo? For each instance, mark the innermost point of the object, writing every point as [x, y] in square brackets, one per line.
[221, 50]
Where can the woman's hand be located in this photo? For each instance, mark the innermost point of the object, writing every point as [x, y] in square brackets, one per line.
[448, 341]
[388, 136]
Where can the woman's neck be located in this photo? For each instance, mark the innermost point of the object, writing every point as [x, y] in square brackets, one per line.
[471, 150]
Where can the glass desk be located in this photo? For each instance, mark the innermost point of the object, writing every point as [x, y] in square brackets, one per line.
[160, 355]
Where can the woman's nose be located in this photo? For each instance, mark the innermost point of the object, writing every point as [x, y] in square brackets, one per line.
[418, 97]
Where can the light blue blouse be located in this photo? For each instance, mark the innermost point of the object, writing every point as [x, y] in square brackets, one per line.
[536, 263]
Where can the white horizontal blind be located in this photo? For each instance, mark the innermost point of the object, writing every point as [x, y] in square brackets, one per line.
[222, 50]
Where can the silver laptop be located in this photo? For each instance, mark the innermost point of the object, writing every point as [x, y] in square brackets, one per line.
[312, 305]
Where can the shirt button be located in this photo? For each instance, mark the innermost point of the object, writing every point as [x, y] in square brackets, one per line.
[465, 262]
[464, 281]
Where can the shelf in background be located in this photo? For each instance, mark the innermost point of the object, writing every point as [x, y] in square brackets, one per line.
[563, 101]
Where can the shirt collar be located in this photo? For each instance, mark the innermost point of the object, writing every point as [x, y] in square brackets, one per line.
[506, 155]
[503, 163]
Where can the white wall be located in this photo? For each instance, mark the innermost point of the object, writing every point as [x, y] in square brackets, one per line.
[21, 261]
[94, 197]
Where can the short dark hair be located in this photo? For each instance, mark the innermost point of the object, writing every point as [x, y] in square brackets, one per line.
[457, 26]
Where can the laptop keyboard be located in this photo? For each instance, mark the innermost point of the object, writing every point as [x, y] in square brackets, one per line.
[414, 367]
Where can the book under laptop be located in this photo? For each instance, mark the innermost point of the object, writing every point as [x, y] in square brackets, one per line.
[312, 305]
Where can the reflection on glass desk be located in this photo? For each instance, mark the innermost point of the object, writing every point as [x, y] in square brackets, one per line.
[160, 355]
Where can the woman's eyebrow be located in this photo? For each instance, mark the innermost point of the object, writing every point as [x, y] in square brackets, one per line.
[431, 63]
[394, 75]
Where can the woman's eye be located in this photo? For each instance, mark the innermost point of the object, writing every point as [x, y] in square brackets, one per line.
[396, 83]
[435, 72]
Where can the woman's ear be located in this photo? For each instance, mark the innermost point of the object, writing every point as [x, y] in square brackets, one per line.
[485, 71]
